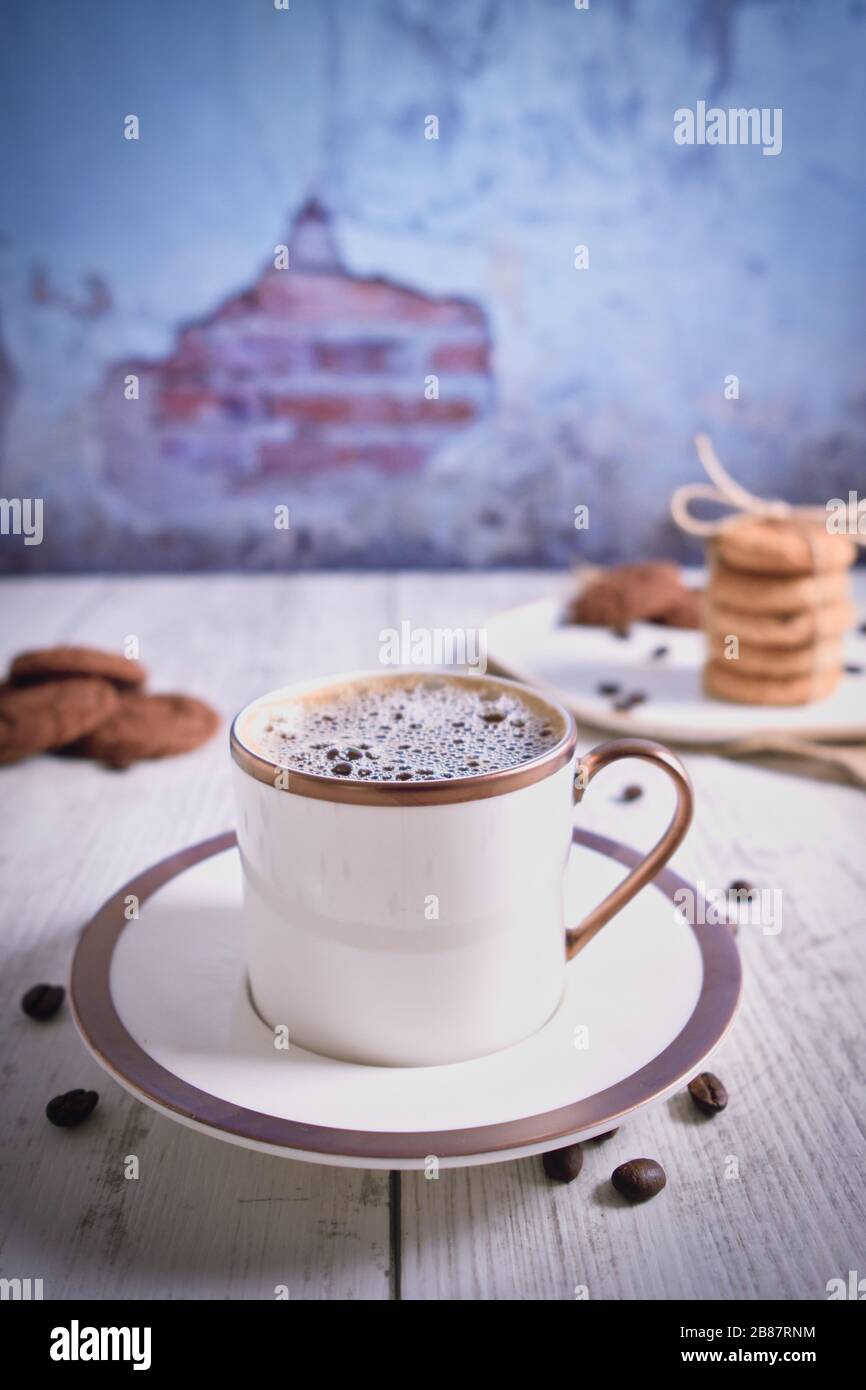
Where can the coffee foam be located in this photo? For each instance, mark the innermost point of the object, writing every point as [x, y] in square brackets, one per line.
[403, 728]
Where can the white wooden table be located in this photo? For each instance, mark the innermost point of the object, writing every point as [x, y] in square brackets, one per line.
[208, 1220]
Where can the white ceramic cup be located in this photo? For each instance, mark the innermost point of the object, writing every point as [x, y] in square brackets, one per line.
[418, 923]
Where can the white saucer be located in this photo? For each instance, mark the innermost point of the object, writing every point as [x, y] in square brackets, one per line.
[532, 644]
[162, 1004]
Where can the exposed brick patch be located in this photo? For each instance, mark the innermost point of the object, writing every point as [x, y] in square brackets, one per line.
[309, 370]
[461, 357]
[189, 404]
[306, 457]
[94, 302]
[361, 356]
[370, 410]
[323, 299]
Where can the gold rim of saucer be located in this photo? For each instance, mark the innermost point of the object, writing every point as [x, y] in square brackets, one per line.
[107, 1037]
[436, 791]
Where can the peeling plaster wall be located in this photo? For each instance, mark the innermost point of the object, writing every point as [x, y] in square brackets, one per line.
[555, 129]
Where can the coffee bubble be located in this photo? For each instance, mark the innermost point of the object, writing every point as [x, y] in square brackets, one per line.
[457, 728]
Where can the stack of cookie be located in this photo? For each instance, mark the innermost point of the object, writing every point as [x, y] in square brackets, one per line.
[92, 703]
[776, 612]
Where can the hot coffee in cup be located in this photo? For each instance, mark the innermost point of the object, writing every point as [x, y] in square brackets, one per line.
[415, 728]
[404, 838]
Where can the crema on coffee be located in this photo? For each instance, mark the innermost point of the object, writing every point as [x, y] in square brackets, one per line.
[404, 728]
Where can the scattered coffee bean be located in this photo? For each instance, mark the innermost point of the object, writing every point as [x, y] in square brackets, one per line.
[659, 653]
[72, 1108]
[632, 793]
[600, 1138]
[608, 688]
[745, 891]
[42, 1001]
[636, 697]
[639, 1179]
[708, 1093]
[852, 670]
[563, 1165]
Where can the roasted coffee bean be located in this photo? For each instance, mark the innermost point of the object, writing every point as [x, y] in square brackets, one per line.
[608, 688]
[42, 1001]
[745, 891]
[636, 697]
[660, 652]
[600, 1138]
[631, 793]
[70, 1109]
[639, 1179]
[563, 1165]
[708, 1093]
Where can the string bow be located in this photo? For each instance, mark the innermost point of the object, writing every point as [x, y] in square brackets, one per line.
[723, 490]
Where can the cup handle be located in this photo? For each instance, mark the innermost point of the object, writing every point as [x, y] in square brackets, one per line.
[650, 752]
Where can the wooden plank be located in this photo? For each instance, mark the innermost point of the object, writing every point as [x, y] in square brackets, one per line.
[794, 1215]
[204, 1219]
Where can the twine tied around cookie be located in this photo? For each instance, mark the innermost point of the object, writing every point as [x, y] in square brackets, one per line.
[723, 489]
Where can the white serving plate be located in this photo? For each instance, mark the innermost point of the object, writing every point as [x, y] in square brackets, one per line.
[534, 645]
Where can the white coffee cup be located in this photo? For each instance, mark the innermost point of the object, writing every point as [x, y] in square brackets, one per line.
[418, 923]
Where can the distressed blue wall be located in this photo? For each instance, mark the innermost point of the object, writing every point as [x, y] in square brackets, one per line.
[556, 128]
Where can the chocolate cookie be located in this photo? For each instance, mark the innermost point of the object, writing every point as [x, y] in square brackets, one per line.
[150, 726]
[685, 611]
[627, 594]
[37, 718]
[54, 663]
[776, 662]
[721, 680]
[780, 630]
[751, 593]
[761, 546]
